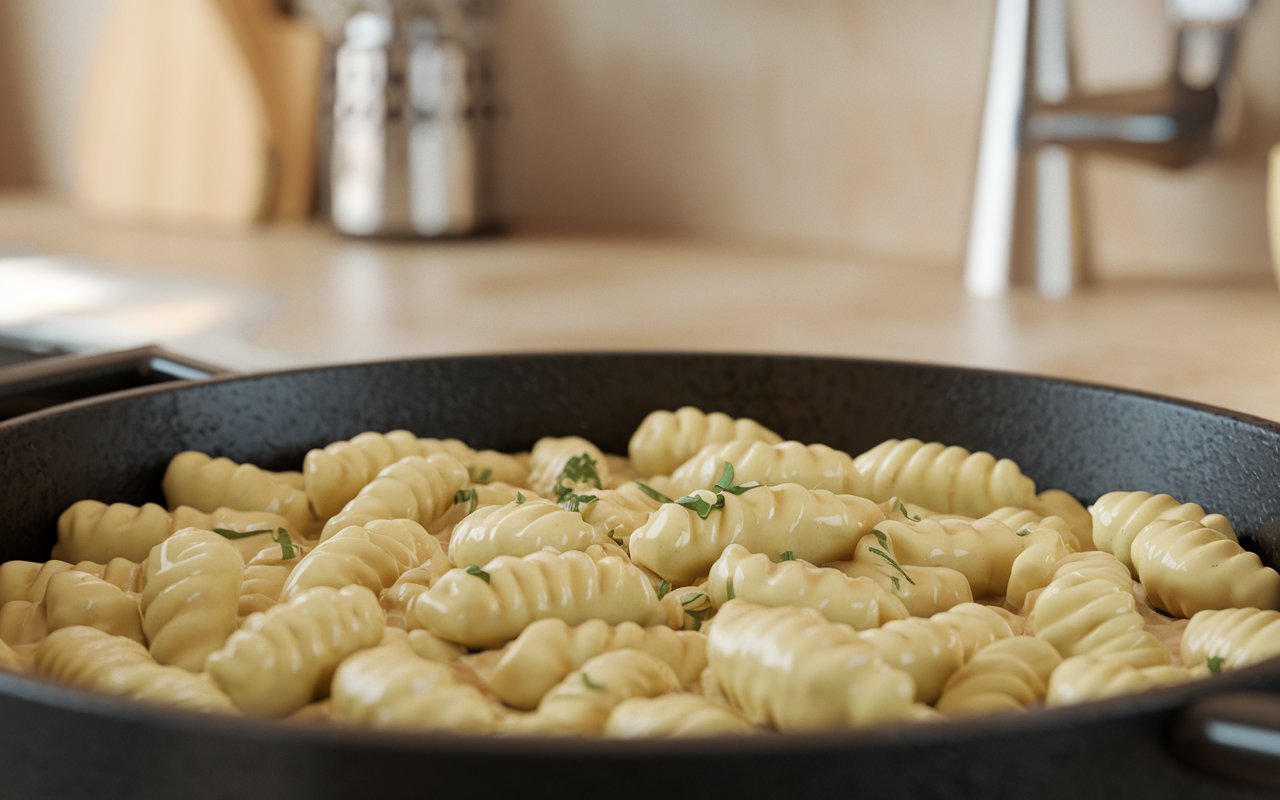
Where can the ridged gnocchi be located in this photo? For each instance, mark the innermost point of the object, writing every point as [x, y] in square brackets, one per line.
[282, 659]
[551, 454]
[946, 479]
[794, 670]
[675, 715]
[583, 700]
[1118, 518]
[813, 466]
[667, 439]
[928, 651]
[206, 484]
[719, 582]
[1187, 567]
[390, 686]
[1084, 678]
[93, 531]
[1007, 675]
[680, 544]
[1235, 638]
[92, 659]
[413, 488]
[549, 649]
[518, 529]
[488, 606]
[982, 550]
[1080, 615]
[78, 598]
[373, 555]
[191, 601]
[756, 578]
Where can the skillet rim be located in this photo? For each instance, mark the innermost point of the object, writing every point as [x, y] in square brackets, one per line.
[1170, 699]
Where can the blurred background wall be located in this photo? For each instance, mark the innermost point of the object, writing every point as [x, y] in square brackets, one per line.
[842, 125]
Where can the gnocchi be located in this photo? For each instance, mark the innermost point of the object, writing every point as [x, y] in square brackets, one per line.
[720, 580]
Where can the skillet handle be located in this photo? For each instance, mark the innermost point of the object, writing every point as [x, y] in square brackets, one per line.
[45, 382]
[1235, 735]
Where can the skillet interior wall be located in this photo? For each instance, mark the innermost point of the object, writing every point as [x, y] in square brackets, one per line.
[1087, 440]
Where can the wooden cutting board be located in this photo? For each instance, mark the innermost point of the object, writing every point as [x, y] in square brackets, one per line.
[285, 54]
[174, 126]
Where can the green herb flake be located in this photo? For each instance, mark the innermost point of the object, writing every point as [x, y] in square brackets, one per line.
[897, 584]
[577, 470]
[1026, 531]
[653, 493]
[664, 588]
[902, 509]
[615, 539]
[575, 502]
[882, 538]
[699, 506]
[590, 684]
[728, 589]
[698, 616]
[479, 573]
[483, 477]
[467, 496]
[520, 499]
[787, 555]
[281, 537]
[893, 562]
[1214, 663]
[725, 484]
[230, 534]
[696, 597]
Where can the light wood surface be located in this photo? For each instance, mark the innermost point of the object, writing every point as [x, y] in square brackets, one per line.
[302, 295]
[174, 126]
[852, 123]
[285, 54]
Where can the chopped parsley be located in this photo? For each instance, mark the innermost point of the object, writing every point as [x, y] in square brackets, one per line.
[479, 573]
[653, 493]
[698, 616]
[520, 498]
[467, 496]
[701, 507]
[590, 684]
[787, 555]
[483, 477]
[696, 597]
[230, 534]
[615, 539]
[575, 502]
[1025, 530]
[664, 588]
[893, 562]
[902, 509]
[280, 536]
[728, 589]
[725, 484]
[1214, 663]
[577, 470]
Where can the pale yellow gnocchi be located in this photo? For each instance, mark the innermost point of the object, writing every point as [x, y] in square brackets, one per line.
[720, 580]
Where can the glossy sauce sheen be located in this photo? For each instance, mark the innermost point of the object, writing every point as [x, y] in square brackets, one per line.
[779, 586]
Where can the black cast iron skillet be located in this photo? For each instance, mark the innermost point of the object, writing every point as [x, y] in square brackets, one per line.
[1087, 439]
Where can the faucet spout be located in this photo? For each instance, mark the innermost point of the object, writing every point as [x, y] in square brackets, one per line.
[1035, 127]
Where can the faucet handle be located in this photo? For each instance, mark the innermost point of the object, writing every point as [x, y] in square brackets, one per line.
[1207, 33]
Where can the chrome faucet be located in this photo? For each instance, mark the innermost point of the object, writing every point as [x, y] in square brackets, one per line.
[1026, 195]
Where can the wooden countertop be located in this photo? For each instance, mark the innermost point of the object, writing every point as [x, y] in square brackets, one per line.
[299, 295]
